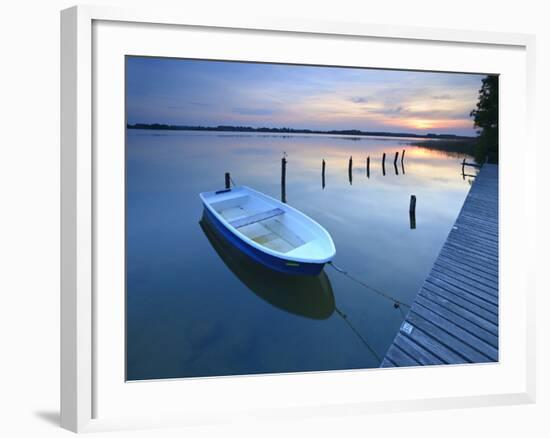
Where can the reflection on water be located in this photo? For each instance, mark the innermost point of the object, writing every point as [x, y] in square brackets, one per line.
[195, 308]
[307, 296]
[368, 166]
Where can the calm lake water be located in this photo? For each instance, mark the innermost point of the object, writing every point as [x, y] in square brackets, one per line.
[196, 307]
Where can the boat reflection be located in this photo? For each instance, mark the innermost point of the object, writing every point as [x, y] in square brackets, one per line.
[306, 296]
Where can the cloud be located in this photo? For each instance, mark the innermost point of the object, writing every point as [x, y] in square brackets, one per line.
[390, 111]
[187, 104]
[208, 92]
[253, 111]
[402, 112]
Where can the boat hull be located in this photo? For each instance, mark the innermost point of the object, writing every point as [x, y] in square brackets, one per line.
[275, 263]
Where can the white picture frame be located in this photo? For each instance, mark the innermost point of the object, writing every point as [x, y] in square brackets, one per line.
[83, 370]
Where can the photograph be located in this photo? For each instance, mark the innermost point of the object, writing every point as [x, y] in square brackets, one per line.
[291, 218]
[224, 219]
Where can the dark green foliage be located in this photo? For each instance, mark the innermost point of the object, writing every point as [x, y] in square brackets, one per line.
[486, 119]
[458, 146]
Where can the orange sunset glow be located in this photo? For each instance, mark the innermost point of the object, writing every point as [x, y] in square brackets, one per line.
[212, 93]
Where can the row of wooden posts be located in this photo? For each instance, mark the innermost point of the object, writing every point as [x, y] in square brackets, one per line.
[412, 204]
[323, 167]
[350, 166]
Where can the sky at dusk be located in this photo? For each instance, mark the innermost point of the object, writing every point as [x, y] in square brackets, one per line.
[212, 93]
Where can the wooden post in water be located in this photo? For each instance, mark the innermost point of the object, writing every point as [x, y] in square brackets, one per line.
[384, 164]
[412, 212]
[402, 156]
[283, 179]
[368, 166]
[395, 159]
[227, 180]
[323, 174]
[350, 168]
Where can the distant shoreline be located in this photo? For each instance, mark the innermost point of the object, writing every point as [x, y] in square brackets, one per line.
[356, 132]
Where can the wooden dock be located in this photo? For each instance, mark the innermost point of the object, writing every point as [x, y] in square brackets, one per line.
[454, 317]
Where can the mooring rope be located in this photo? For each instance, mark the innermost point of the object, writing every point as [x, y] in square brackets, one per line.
[363, 340]
[232, 182]
[396, 303]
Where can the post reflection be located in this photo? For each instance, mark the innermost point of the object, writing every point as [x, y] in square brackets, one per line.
[368, 166]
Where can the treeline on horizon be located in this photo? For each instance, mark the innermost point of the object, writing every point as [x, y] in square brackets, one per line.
[466, 146]
[227, 128]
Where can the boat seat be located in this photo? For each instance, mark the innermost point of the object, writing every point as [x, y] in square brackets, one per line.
[258, 217]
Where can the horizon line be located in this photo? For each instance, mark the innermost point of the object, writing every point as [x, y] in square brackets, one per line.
[244, 128]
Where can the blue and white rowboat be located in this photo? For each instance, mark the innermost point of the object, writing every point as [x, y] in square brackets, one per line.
[270, 232]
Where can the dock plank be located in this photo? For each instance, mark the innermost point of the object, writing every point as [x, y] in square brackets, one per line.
[462, 350]
[460, 246]
[448, 334]
[467, 263]
[479, 304]
[466, 279]
[466, 309]
[386, 363]
[471, 258]
[429, 343]
[454, 317]
[458, 320]
[422, 355]
[452, 284]
[461, 266]
[400, 357]
[473, 233]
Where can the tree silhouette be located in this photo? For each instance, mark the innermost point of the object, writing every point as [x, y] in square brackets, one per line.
[486, 119]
